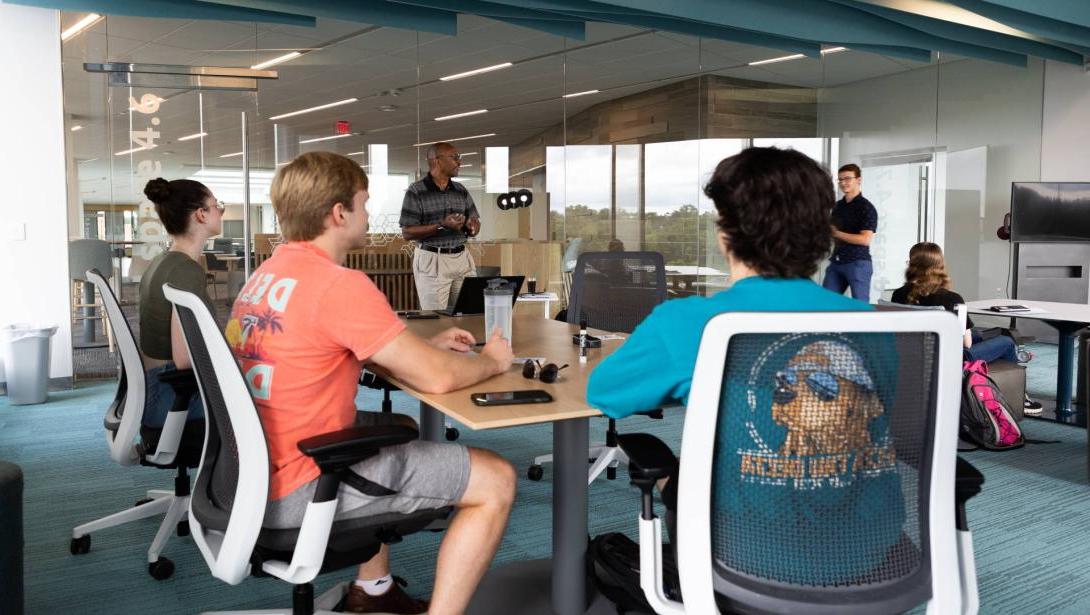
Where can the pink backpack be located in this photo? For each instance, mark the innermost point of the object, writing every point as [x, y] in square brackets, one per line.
[986, 418]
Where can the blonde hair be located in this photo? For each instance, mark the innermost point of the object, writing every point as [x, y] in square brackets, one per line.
[305, 190]
[926, 272]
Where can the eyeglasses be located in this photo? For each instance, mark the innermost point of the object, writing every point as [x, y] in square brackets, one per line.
[454, 157]
[823, 384]
[841, 180]
[548, 373]
[220, 206]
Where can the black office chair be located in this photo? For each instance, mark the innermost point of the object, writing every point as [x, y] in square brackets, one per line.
[818, 469]
[231, 491]
[176, 446]
[612, 291]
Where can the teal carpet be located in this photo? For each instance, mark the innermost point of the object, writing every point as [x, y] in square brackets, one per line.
[1029, 524]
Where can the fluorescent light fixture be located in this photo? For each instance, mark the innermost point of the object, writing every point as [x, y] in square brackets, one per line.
[476, 71]
[76, 127]
[795, 56]
[524, 172]
[457, 115]
[231, 155]
[80, 26]
[464, 166]
[491, 134]
[193, 136]
[346, 101]
[330, 138]
[574, 94]
[468, 154]
[130, 151]
[276, 60]
[86, 161]
[833, 50]
[354, 154]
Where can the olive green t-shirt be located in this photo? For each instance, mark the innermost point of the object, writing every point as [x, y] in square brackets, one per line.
[179, 271]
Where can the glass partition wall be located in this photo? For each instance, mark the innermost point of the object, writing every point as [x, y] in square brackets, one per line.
[614, 135]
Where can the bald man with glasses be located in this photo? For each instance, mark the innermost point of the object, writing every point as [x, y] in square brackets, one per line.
[439, 215]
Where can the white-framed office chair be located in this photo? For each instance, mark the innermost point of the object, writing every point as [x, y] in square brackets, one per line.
[611, 291]
[759, 417]
[175, 446]
[232, 486]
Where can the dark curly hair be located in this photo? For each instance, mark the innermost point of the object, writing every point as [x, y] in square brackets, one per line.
[174, 200]
[774, 207]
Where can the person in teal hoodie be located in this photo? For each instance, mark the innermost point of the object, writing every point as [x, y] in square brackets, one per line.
[814, 443]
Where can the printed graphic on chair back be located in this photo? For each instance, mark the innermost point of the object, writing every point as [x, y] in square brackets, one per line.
[820, 466]
[615, 291]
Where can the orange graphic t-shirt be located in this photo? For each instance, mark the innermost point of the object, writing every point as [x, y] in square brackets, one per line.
[299, 329]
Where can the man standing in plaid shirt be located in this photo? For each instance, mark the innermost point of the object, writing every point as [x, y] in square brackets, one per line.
[438, 214]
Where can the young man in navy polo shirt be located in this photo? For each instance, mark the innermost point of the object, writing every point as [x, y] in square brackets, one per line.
[854, 222]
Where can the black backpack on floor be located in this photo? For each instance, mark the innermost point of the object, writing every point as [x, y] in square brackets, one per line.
[615, 563]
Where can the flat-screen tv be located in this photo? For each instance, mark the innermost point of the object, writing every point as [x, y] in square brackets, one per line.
[1050, 211]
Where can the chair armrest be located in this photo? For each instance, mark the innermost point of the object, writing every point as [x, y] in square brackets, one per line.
[184, 383]
[967, 481]
[648, 456]
[338, 449]
[372, 380]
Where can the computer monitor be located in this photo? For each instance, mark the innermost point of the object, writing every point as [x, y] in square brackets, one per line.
[471, 296]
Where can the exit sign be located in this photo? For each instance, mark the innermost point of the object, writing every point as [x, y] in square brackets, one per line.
[343, 127]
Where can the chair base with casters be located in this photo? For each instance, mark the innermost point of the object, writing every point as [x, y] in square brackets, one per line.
[372, 380]
[172, 504]
[604, 456]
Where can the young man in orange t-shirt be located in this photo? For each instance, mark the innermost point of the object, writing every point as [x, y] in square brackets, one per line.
[302, 328]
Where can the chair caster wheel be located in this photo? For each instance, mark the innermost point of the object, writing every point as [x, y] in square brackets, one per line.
[535, 472]
[183, 528]
[143, 501]
[80, 545]
[611, 473]
[161, 569]
[452, 434]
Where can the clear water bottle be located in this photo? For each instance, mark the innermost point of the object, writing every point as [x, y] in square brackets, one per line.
[499, 298]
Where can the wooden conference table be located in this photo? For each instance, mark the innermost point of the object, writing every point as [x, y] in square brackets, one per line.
[1067, 319]
[569, 414]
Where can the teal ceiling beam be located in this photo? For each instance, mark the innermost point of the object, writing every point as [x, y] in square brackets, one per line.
[176, 9]
[1067, 11]
[374, 12]
[550, 23]
[966, 34]
[1060, 31]
[576, 30]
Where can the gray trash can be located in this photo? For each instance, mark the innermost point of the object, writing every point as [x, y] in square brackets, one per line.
[25, 350]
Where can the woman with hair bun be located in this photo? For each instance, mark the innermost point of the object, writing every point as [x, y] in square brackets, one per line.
[191, 216]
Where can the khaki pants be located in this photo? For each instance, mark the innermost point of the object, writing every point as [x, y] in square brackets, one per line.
[439, 277]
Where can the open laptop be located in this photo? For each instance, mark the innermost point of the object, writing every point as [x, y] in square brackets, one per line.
[471, 296]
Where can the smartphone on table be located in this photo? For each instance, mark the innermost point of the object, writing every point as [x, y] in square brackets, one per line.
[503, 398]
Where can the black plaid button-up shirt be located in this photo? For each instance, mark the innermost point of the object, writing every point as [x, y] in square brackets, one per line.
[425, 203]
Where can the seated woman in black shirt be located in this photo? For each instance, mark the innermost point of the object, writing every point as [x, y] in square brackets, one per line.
[927, 283]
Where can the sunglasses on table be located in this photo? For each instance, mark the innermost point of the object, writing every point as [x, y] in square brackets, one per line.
[547, 373]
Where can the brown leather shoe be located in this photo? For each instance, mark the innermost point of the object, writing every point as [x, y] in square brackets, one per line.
[394, 601]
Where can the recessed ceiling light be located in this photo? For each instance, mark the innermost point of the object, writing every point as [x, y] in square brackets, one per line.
[491, 134]
[231, 155]
[80, 26]
[76, 127]
[476, 71]
[130, 151]
[573, 95]
[193, 136]
[386, 108]
[795, 56]
[317, 139]
[346, 101]
[457, 115]
[276, 60]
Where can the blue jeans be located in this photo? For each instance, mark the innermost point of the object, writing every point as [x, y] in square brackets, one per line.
[994, 349]
[851, 274]
[159, 398]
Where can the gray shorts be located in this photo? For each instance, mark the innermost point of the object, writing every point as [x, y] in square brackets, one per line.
[424, 475]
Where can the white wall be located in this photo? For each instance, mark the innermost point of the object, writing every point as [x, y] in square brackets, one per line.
[32, 171]
[956, 106]
[1065, 137]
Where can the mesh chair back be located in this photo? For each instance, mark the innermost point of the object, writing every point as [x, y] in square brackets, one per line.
[122, 420]
[821, 468]
[615, 291]
[233, 477]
